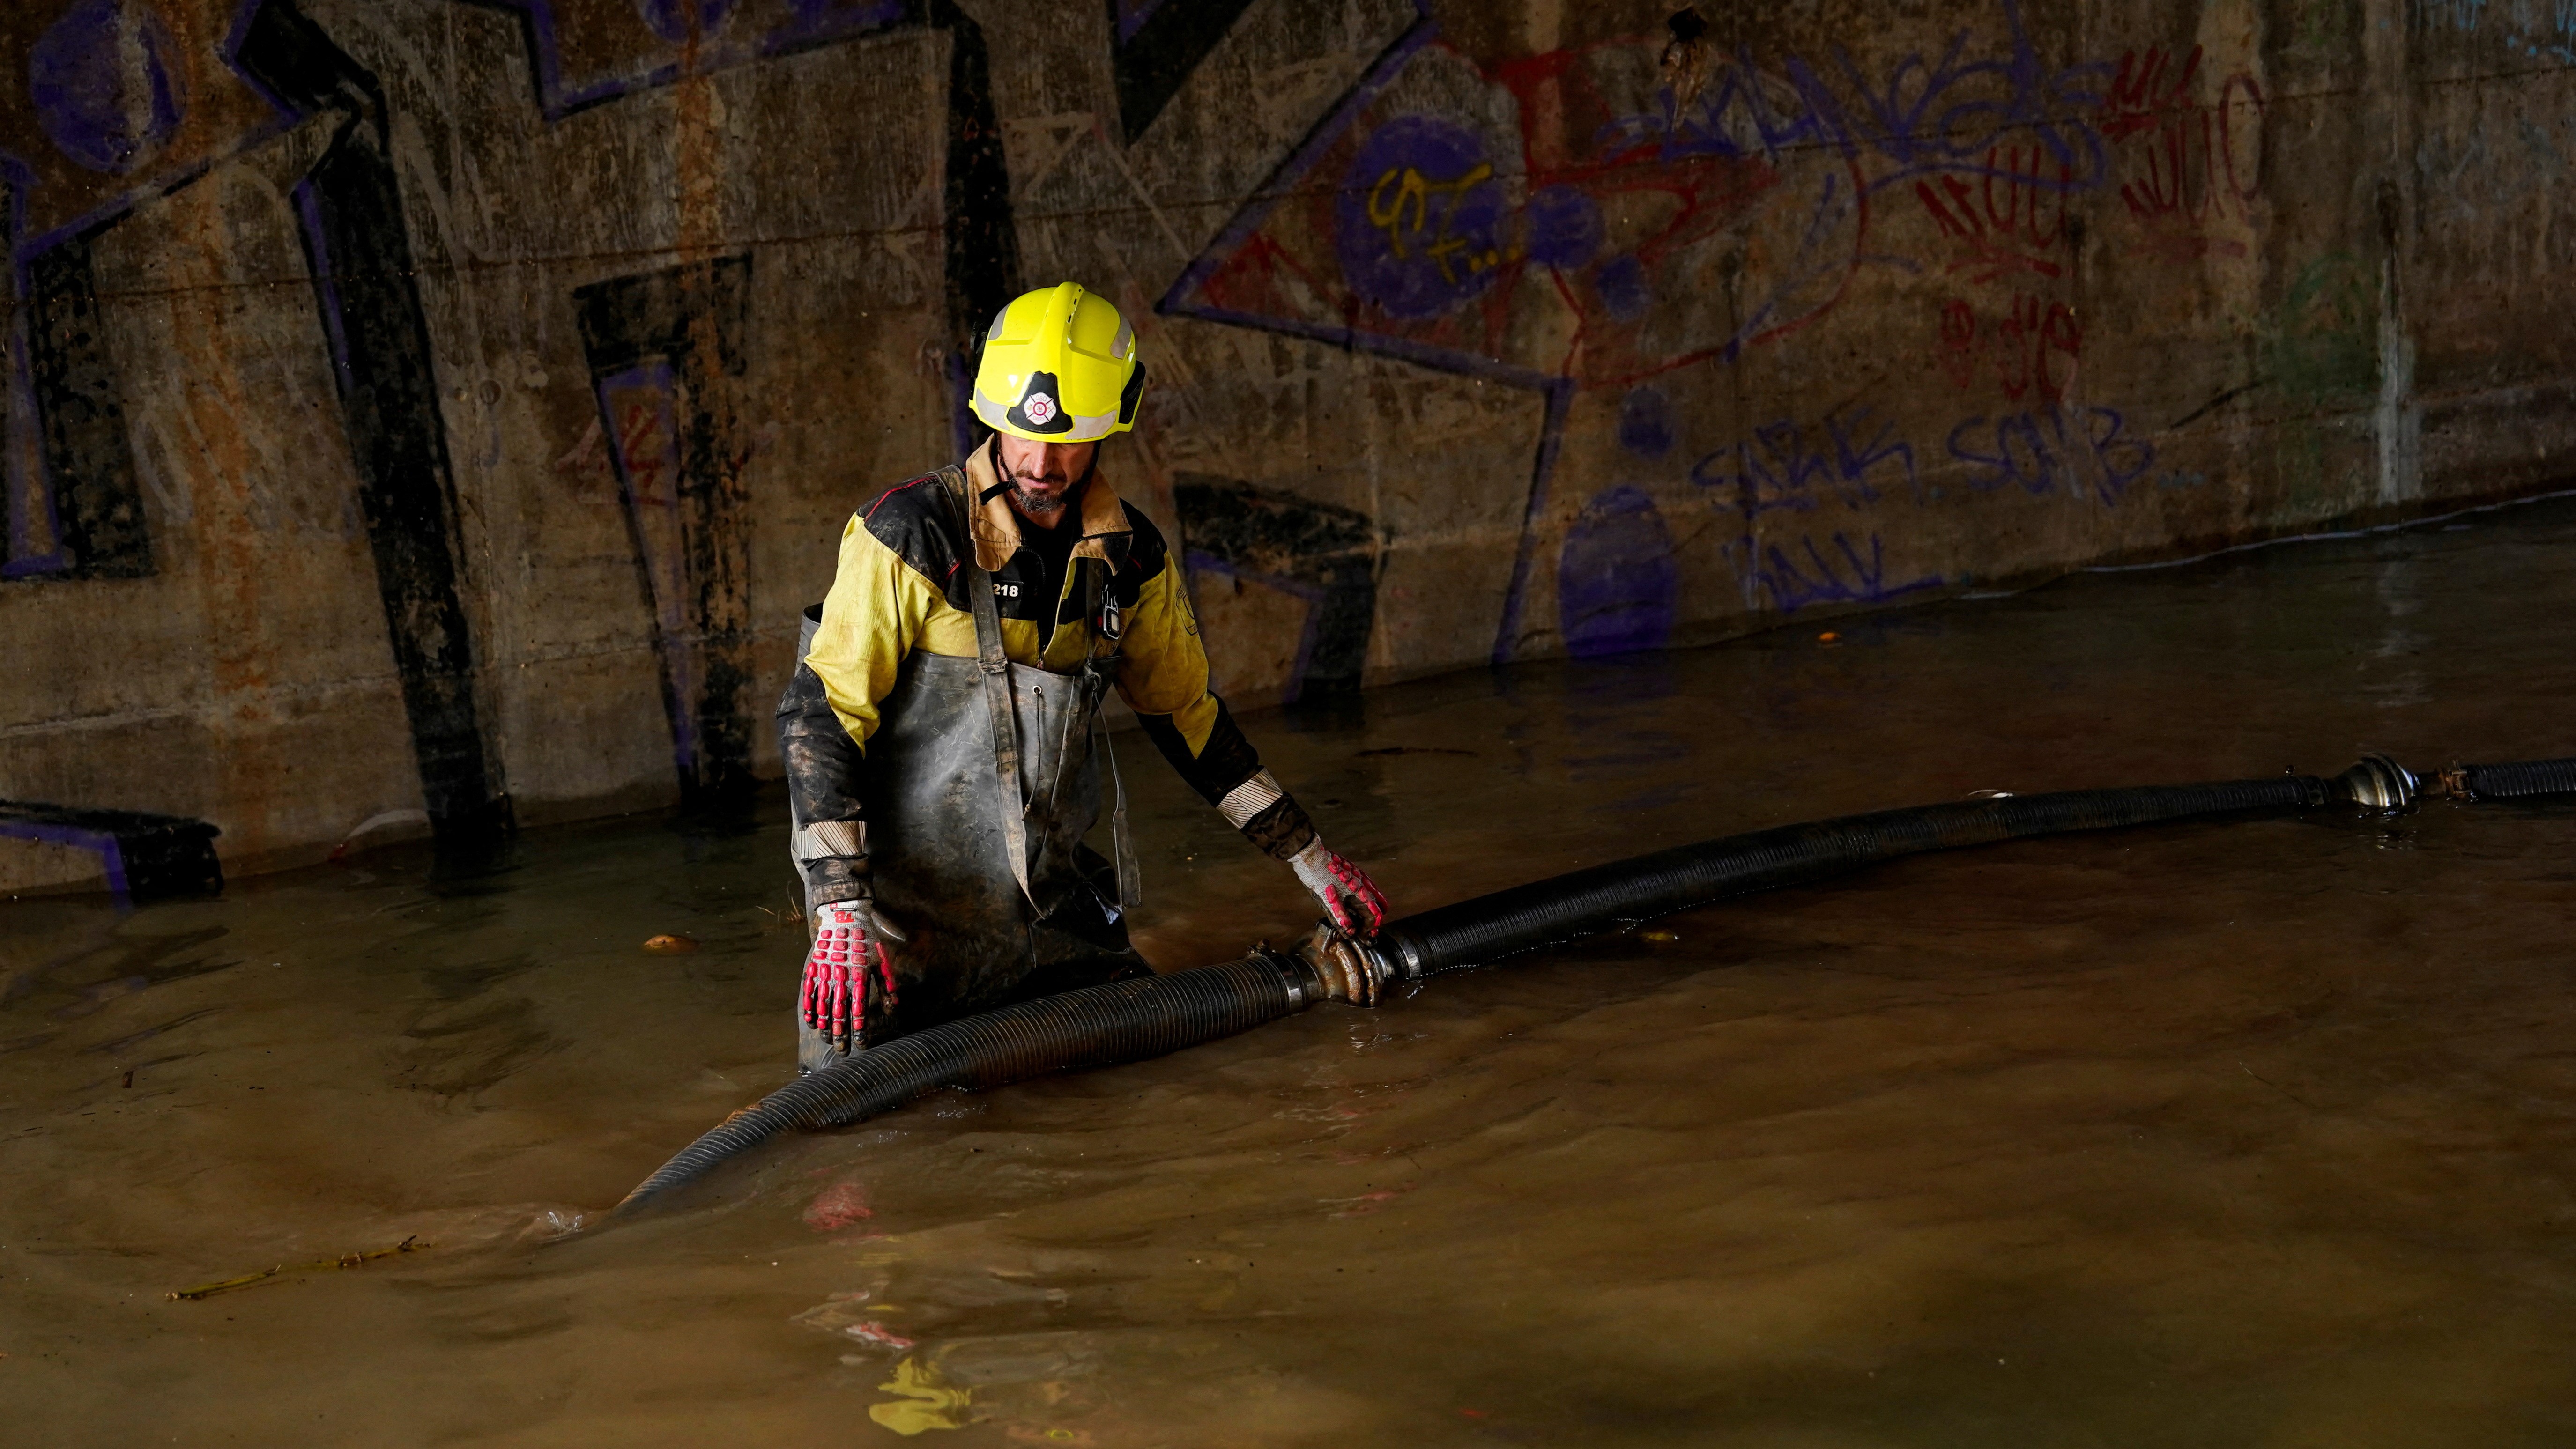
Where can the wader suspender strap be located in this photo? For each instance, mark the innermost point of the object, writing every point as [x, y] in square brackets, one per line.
[997, 683]
[1107, 628]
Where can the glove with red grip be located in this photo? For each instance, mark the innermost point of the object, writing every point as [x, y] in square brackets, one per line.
[1346, 891]
[849, 957]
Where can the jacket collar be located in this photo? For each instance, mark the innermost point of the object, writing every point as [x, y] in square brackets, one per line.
[997, 528]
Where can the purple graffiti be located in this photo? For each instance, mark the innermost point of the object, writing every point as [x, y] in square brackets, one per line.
[1418, 221]
[1835, 572]
[2037, 451]
[1646, 421]
[103, 843]
[101, 81]
[641, 409]
[1564, 227]
[1618, 586]
[1624, 288]
[804, 25]
[1919, 117]
[1786, 465]
[681, 21]
[1132, 15]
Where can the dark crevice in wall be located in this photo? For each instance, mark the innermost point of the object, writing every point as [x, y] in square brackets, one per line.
[983, 239]
[360, 254]
[1319, 552]
[1153, 54]
[666, 353]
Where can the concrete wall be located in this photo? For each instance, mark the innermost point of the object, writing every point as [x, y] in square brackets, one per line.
[429, 412]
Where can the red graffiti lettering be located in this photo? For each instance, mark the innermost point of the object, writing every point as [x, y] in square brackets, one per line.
[2008, 219]
[1959, 343]
[2033, 347]
[2141, 97]
[646, 450]
[2188, 169]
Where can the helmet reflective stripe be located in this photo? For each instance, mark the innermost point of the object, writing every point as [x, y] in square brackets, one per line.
[1084, 428]
[1059, 366]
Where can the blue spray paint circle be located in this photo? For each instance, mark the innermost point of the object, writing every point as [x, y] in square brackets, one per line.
[102, 85]
[670, 18]
[1564, 227]
[1417, 223]
[1618, 586]
[1624, 288]
[1646, 421]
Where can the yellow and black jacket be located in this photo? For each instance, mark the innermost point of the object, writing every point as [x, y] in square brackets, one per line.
[901, 589]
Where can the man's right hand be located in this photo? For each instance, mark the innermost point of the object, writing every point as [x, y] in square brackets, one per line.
[849, 956]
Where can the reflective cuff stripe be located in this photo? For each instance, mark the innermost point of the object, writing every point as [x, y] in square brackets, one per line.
[830, 839]
[1249, 799]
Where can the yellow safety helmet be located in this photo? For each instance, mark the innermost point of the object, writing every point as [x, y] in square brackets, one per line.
[1059, 367]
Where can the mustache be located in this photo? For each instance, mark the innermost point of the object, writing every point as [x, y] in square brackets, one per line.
[1045, 473]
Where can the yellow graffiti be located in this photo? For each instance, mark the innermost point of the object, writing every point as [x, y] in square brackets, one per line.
[926, 1403]
[1414, 191]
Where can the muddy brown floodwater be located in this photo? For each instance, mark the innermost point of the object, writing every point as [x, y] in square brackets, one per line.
[2227, 1134]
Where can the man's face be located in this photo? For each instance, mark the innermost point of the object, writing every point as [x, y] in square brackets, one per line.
[1041, 474]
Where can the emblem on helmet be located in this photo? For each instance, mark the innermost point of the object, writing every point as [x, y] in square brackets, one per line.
[1039, 407]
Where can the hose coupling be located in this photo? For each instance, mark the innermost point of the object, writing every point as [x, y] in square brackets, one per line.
[1348, 970]
[2380, 783]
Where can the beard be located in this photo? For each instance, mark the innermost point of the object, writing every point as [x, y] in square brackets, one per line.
[1038, 504]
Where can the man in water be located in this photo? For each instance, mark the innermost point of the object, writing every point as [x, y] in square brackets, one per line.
[943, 737]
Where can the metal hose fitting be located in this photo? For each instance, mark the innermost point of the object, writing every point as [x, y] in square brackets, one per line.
[1348, 970]
[2380, 783]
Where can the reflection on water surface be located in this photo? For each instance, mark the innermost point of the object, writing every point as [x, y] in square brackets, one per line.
[2258, 1133]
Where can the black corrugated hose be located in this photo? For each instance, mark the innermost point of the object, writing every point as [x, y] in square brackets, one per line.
[1134, 1020]
[1124, 1021]
[1550, 912]
[2517, 782]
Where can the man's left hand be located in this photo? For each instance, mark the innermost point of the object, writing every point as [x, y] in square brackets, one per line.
[1346, 891]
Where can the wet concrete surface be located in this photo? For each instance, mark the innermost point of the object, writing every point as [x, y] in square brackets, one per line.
[2255, 1133]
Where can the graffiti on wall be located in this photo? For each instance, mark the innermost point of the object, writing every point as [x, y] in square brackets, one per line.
[1662, 243]
[141, 857]
[1601, 217]
[666, 353]
[2540, 29]
[128, 100]
[2190, 171]
[584, 53]
[103, 110]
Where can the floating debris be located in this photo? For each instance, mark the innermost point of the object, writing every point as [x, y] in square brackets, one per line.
[412, 1244]
[927, 1402]
[839, 1206]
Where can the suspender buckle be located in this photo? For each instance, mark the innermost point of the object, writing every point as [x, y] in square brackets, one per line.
[1112, 623]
